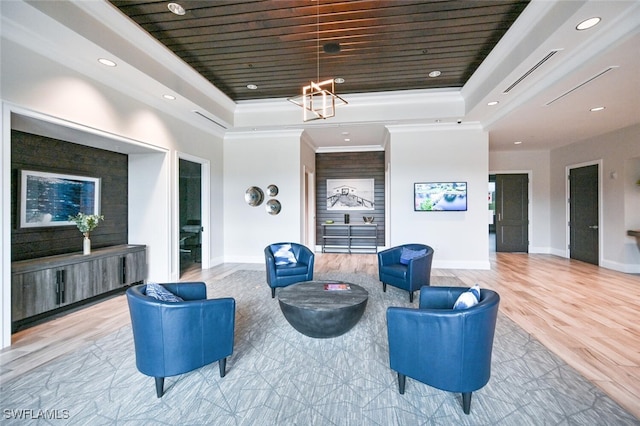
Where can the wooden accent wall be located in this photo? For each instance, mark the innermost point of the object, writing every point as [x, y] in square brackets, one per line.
[350, 165]
[39, 153]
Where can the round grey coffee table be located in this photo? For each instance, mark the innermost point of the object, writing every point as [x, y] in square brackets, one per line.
[318, 312]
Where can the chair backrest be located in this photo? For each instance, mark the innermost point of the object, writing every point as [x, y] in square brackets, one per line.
[175, 337]
[458, 356]
[298, 249]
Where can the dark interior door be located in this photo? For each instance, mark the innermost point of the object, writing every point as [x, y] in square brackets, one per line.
[512, 213]
[583, 214]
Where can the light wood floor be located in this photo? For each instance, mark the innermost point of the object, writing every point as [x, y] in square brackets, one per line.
[588, 316]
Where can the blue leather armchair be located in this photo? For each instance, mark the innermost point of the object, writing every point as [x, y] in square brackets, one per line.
[173, 338]
[283, 275]
[441, 347]
[410, 277]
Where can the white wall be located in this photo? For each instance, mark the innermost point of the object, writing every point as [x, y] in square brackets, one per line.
[536, 164]
[448, 153]
[619, 152]
[260, 159]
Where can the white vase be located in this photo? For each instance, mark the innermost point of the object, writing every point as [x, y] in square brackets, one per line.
[86, 245]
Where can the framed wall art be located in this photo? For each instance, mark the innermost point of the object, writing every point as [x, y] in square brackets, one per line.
[350, 194]
[48, 199]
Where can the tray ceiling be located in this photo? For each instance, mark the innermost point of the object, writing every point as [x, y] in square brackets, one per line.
[279, 45]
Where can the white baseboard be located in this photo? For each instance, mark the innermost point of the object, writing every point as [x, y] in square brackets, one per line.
[560, 253]
[621, 267]
[540, 250]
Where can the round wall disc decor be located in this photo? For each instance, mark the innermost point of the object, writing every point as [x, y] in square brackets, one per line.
[272, 190]
[273, 207]
[254, 196]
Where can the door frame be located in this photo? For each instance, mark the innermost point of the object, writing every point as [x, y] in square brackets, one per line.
[567, 252]
[205, 211]
[529, 174]
[309, 202]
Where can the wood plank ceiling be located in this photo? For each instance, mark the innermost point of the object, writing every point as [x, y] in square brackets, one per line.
[280, 45]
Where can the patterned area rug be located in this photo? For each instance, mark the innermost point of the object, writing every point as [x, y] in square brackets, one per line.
[277, 376]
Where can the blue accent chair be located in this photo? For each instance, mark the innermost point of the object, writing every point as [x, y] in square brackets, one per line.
[410, 277]
[442, 347]
[291, 273]
[173, 338]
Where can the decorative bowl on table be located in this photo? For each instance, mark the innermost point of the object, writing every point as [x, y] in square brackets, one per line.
[328, 222]
[367, 219]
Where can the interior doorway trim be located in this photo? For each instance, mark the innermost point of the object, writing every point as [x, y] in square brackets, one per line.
[309, 216]
[205, 211]
[567, 251]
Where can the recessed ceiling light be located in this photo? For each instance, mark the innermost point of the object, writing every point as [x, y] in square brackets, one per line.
[338, 80]
[517, 142]
[345, 133]
[347, 140]
[492, 103]
[596, 109]
[176, 8]
[252, 86]
[107, 62]
[435, 74]
[588, 23]
[169, 97]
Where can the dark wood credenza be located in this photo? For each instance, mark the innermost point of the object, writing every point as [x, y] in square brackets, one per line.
[47, 285]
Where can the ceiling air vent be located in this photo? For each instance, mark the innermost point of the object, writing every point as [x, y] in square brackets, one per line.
[531, 70]
[210, 119]
[600, 74]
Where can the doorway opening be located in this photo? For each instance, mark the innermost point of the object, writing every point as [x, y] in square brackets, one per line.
[492, 213]
[190, 215]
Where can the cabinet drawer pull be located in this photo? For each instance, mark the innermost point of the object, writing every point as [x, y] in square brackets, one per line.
[60, 287]
[123, 270]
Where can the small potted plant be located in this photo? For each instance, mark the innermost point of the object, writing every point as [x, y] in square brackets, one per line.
[86, 223]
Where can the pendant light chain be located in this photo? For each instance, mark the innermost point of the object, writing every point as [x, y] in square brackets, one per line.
[318, 41]
[318, 99]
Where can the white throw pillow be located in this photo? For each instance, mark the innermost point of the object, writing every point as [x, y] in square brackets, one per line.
[469, 298]
[283, 254]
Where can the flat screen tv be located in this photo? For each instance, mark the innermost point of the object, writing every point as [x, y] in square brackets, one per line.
[440, 196]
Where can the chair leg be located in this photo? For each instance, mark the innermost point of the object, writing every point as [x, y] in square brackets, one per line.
[466, 402]
[159, 386]
[410, 297]
[402, 381]
[273, 292]
[222, 364]
[384, 287]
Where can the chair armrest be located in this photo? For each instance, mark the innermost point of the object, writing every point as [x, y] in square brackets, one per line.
[268, 254]
[417, 269]
[389, 256]
[270, 262]
[305, 255]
